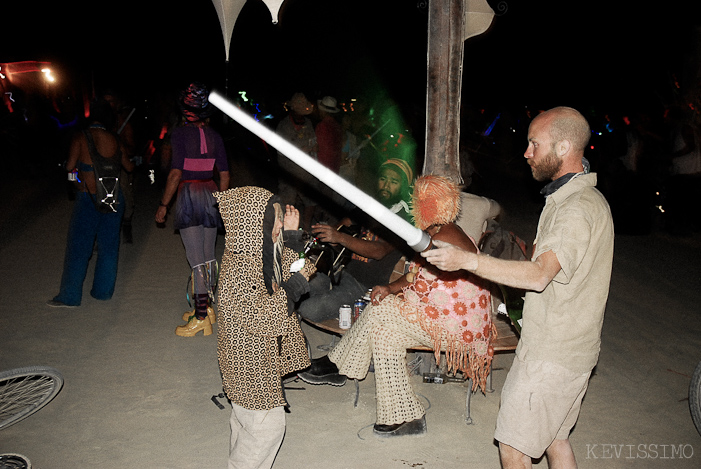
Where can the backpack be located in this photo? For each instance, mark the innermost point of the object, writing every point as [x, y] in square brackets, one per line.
[498, 242]
[107, 172]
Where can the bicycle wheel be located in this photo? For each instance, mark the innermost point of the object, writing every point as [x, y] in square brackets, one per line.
[695, 397]
[24, 391]
[14, 461]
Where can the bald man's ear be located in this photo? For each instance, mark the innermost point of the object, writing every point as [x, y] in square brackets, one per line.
[563, 147]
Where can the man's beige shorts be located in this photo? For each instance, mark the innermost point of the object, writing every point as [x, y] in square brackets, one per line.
[540, 402]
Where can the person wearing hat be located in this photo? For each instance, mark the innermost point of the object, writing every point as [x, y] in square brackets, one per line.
[197, 149]
[394, 186]
[329, 134]
[373, 250]
[294, 183]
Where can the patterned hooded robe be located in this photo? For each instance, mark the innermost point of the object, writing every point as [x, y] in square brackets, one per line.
[258, 340]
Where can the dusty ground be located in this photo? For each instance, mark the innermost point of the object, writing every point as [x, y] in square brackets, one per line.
[137, 396]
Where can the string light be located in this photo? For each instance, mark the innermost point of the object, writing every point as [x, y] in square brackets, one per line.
[47, 74]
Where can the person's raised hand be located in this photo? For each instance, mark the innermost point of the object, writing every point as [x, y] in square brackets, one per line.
[291, 220]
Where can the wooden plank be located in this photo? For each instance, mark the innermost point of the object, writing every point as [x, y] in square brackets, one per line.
[507, 339]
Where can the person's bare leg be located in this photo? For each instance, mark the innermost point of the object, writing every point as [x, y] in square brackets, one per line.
[560, 455]
[511, 458]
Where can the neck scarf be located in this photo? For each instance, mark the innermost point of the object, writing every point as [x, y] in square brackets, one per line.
[553, 186]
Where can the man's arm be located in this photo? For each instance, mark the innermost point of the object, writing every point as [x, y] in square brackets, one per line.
[528, 275]
[377, 249]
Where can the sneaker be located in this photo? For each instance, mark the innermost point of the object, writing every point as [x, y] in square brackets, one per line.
[58, 304]
[414, 428]
[323, 371]
[334, 379]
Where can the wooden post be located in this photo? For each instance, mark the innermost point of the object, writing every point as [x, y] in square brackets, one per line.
[446, 26]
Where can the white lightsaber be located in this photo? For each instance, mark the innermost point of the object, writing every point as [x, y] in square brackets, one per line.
[414, 237]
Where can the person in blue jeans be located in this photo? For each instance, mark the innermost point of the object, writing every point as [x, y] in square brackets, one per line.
[87, 224]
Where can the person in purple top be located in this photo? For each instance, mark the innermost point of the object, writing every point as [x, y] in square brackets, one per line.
[197, 150]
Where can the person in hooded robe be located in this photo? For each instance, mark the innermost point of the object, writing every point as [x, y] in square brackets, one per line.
[259, 336]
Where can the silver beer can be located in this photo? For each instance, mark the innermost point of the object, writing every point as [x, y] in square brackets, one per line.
[344, 317]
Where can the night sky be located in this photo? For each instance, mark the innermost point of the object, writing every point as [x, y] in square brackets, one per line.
[536, 53]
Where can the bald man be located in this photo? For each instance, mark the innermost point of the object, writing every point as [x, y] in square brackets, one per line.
[567, 283]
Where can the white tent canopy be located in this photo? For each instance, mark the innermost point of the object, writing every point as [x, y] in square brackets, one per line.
[478, 16]
[228, 11]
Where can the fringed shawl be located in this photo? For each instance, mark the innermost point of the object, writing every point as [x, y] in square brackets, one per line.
[455, 310]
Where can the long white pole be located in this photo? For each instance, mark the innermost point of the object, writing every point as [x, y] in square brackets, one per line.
[414, 237]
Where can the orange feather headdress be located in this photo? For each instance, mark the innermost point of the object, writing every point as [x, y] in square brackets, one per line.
[435, 201]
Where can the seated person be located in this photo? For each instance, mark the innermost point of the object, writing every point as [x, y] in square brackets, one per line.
[394, 186]
[373, 257]
[447, 311]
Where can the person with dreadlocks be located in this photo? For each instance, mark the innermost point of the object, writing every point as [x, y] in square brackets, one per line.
[197, 150]
[448, 311]
[373, 251]
[259, 336]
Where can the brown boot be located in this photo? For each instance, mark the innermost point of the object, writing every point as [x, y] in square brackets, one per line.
[194, 326]
[210, 314]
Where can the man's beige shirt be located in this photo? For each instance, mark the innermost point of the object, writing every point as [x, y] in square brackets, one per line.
[562, 324]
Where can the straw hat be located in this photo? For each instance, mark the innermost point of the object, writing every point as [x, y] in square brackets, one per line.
[328, 104]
